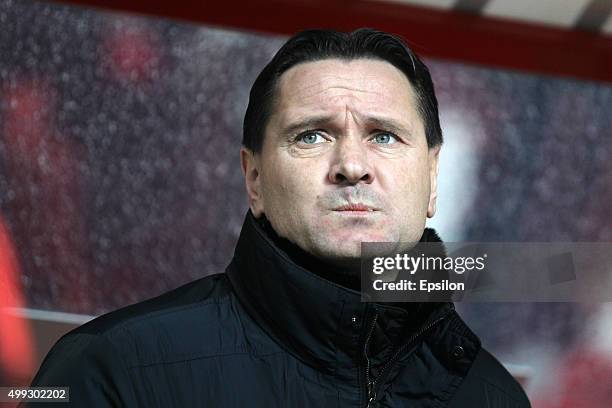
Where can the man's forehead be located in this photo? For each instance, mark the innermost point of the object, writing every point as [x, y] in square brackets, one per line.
[369, 76]
[367, 86]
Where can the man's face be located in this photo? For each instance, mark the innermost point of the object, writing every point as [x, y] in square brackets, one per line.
[344, 160]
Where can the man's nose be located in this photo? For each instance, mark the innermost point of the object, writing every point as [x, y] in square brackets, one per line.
[350, 164]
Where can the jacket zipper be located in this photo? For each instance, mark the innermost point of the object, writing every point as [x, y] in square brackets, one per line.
[369, 383]
[372, 382]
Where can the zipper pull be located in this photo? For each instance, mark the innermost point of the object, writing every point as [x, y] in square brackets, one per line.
[372, 395]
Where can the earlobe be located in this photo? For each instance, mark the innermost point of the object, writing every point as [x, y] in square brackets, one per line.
[434, 155]
[252, 179]
[431, 209]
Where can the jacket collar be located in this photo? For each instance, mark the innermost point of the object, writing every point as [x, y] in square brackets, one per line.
[319, 321]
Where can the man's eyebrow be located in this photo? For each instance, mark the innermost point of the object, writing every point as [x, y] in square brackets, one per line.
[388, 124]
[314, 122]
[307, 123]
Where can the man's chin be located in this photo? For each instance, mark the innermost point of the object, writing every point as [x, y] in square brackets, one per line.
[347, 241]
[345, 254]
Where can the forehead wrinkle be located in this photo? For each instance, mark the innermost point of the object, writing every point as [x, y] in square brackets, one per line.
[317, 91]
[341, 102]
[324, 80]
[351, 112]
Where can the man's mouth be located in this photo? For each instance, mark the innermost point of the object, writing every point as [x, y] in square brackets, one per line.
[356, 208]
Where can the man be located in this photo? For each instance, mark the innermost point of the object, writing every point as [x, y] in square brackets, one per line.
[341, 145]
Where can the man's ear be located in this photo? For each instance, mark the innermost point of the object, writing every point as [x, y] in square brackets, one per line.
[252, 178]
[433, 158]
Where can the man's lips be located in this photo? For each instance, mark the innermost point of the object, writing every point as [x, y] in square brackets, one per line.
[355, 208]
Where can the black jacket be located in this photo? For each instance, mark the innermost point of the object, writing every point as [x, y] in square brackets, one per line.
[269, 333]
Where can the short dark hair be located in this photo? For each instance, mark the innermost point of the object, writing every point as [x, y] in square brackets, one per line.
[316, 45]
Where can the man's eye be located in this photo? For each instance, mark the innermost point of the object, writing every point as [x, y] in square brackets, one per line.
[385, 138]
[310, 138]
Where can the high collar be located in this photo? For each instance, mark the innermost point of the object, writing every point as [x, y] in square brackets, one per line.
[318, 320]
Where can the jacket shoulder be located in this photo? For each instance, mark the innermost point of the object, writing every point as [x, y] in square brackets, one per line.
[210, 290]
[88, 366]
[489, 384]
[162, 329]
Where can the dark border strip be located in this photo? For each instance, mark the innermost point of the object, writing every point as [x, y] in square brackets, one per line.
[594, 15]
[471, 6]
[440, 34]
